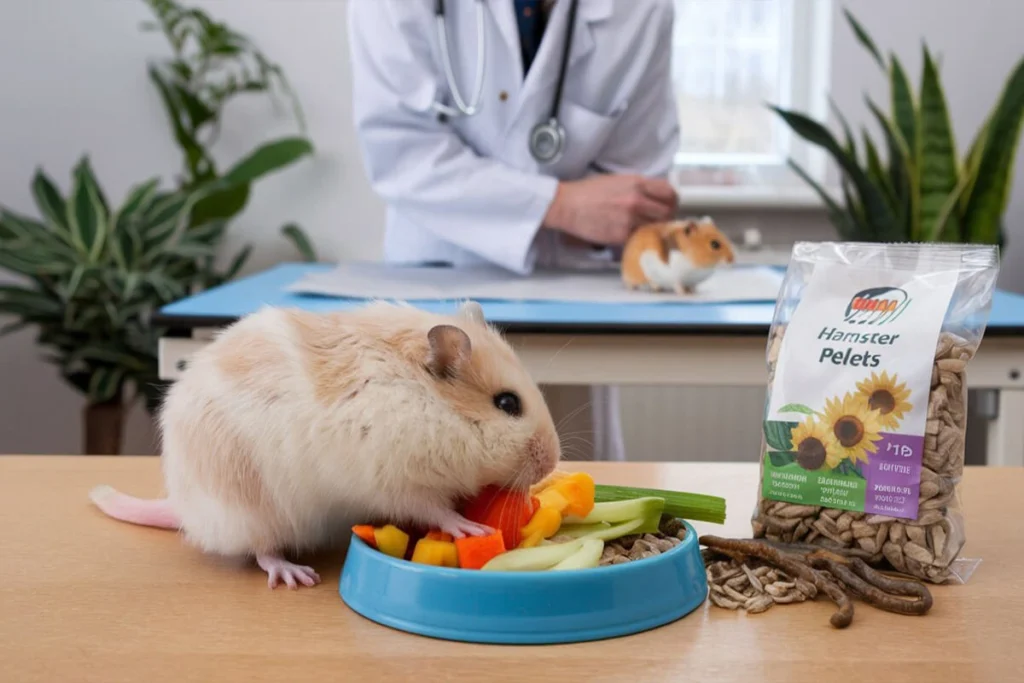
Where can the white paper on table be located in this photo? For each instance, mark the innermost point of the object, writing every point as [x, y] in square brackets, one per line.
[372, 280]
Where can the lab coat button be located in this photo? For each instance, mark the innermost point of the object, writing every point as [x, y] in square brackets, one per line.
[503, 96]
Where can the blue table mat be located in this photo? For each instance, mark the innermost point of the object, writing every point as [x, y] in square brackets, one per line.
[235, 299]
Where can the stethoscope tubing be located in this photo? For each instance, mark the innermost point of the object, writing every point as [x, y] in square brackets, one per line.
[481, 54]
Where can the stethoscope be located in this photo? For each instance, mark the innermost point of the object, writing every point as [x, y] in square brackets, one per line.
[547, 138]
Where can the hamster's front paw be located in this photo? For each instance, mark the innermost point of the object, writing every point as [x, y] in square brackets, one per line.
[279, 569]
[458, 526]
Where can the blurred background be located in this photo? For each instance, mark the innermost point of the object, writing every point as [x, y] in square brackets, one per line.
[77, 82]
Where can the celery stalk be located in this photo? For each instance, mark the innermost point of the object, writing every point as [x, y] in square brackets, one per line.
[532, 559]
[588, 556]
[691, 506]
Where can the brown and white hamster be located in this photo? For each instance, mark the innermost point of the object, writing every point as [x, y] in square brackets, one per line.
[291, 423]
[676, 255]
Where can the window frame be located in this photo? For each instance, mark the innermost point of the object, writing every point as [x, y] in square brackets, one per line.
[808, 37]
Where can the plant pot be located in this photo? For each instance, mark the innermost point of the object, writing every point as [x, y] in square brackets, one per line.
[104, 427]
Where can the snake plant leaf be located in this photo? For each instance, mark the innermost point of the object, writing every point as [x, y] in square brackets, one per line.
[87, 219]
[31, 262]
[904, 113]
[166, 288]
[840, 218]
[16, 326]
[877, 213]
[105, 383]
[900, 172]
[903, 107]
[851, 143]
[50, 203]
[301, 241]
[991, 190]
[876, 171]
[864, 38]
[937, 168]
[969, 169]
[196, 156]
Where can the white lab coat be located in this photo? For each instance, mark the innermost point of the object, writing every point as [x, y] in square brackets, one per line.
[467, 191]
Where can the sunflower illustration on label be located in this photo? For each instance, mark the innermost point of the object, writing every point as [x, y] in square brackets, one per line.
[845, 417]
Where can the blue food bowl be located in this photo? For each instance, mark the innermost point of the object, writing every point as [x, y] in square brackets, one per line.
[535, 607]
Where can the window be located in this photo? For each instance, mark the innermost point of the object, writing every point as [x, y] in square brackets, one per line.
[730, 59]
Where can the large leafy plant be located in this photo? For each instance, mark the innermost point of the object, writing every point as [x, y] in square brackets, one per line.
[91, 275]
[211, 65]
[921, 190]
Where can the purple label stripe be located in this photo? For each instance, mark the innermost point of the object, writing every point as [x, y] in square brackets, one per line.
[893, 476]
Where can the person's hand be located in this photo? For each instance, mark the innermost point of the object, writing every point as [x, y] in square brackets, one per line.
[605, 209]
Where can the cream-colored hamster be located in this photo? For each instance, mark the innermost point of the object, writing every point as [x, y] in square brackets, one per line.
[290, 421]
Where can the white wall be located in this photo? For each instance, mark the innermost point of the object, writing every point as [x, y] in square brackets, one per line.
[74, 81]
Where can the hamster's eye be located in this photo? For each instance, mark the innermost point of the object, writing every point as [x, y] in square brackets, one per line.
[509, 403]
[715, 244]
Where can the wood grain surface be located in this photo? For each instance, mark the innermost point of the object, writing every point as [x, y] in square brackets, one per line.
[84, 598]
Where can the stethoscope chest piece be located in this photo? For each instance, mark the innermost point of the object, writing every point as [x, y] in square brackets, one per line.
[547, 141]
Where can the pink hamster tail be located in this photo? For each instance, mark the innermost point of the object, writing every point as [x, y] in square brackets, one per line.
[127, 508]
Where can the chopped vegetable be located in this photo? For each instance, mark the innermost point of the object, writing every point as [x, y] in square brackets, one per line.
[649, 509]
[476, 551]
[589, 555]
[391, 540]
[572, 495]
[502, 509]
[692, 506]
[439, 536]
[365, 532]
[633, 526]
[544, 524]
[437, 553]
[581, 530]
[533, 559]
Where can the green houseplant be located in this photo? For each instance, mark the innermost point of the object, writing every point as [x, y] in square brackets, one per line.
[920, 190]
[91, 275]
[211, 65]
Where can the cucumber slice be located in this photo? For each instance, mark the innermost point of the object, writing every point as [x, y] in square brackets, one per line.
[587, 557]
[622, 511]
[532, 559]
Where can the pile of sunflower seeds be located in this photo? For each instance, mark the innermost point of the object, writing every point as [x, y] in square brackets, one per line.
[754, 586]
[642, 546]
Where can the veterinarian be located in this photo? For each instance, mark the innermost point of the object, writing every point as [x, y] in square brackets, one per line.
[520, 133]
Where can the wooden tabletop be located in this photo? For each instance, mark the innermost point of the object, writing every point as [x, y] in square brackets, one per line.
[84, 598]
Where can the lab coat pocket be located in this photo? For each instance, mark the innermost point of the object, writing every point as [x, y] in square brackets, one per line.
[586, 133]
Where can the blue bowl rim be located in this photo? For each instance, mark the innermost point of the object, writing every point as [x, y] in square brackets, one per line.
[526, 576]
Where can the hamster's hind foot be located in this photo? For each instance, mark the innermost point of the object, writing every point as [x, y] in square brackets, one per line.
[281, 570]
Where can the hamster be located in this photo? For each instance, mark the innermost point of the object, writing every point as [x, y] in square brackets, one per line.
[289, 422]
[676, 255]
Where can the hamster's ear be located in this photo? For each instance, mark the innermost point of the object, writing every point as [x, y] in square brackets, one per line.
[689, 227]
[449, 350]
[472, 311]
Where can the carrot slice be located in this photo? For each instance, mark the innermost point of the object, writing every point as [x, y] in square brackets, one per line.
[365, 532]
[476, 551]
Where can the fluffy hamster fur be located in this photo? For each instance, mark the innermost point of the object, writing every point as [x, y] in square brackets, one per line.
[676, 255]
[290, 421]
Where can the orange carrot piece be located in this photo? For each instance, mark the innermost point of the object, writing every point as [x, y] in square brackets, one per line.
[365, 532]
[476, 551]
[439, 536]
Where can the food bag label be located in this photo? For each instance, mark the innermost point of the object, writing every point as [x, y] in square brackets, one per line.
[845, 421]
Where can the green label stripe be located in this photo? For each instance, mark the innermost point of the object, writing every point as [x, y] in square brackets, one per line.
[791, 483]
